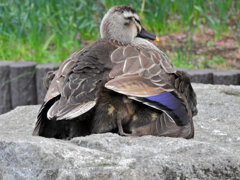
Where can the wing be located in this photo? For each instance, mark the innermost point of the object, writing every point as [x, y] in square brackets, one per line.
[78, 81]
[54, 83]
[147, 75]
[74, 88]
[183, 84]
[140, 72]
[78, 90]
[80, 85]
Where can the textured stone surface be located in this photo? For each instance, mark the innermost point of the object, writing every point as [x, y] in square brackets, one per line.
[41, 72]
[226, 77]
[5, 91]
[212, 154]
[23, 88]
[201, 75]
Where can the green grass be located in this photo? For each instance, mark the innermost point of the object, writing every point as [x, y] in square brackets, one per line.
[50, 30]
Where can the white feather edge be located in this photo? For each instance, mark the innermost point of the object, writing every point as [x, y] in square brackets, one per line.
[121, 92]
[79, 110]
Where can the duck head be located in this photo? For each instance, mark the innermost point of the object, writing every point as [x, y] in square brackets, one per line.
[121, 23]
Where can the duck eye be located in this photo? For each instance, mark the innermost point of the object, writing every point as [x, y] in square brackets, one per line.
[129, 18]
[128, 21]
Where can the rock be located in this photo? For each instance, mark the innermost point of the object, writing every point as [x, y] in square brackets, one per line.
[201, 75]
[212, 154]
[226, 77]
[5, 91]
[23, 88]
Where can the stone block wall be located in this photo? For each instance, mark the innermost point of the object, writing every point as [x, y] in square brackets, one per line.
[21, 83]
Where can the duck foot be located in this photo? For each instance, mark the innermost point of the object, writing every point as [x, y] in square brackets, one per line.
[120, 129]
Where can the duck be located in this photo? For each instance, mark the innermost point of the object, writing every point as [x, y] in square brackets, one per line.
[120, 83]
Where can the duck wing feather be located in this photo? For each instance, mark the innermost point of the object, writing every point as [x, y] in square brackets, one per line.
[148, 76]
[76, 83]
[80, 84]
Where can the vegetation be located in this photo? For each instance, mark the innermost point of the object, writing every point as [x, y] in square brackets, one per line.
[50, 30]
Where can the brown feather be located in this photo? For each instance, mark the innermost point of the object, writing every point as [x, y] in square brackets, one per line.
[78, 79]
[139, 73]
[134, 86]
[131, 65]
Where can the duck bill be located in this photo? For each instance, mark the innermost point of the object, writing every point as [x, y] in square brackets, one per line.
[144, 34]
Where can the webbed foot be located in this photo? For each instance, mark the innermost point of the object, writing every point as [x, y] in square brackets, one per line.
[120, 128]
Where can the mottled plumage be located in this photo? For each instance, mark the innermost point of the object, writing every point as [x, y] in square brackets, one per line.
[165, 123]
[121, 83]
[144, 75]
[74, 89]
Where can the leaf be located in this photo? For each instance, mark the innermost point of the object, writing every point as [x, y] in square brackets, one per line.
[45, 46]
[211, 21]
[198, 8]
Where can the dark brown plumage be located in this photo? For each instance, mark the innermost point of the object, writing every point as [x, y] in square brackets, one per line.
[139, 119]
[75, 84]
[120, 83]
[149, 121]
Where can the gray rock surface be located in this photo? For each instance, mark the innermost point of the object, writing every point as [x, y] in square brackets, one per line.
[226, 77]
[201, 75]
[5, 91]
[23, 87]
[212, 154]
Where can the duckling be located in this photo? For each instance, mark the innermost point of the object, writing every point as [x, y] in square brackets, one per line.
[150, 121]
[112, 113]
[139, 119]
[109, 84]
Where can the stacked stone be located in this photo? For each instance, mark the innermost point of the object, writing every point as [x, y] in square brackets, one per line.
[21, 83]
[5, 88]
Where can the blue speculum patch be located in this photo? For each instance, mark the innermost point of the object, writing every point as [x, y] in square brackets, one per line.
[170, 101]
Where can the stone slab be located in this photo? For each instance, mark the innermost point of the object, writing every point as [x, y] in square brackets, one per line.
[226, 77]
[23, 88]
[201, 75]
[212, 154]
[5, 91]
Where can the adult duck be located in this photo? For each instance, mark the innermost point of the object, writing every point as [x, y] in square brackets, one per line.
[118, 83]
